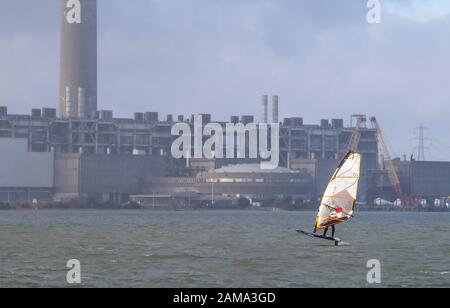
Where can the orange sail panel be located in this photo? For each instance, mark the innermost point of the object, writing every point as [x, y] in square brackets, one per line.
[338, 203]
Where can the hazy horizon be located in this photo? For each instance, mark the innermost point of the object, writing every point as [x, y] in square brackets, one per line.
[216, 56]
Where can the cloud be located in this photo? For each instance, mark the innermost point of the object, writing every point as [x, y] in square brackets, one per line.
[419, 10]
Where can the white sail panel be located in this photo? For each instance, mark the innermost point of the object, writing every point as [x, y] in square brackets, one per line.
[338, 202]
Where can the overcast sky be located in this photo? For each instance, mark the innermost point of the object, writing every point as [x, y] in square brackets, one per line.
[218, 56]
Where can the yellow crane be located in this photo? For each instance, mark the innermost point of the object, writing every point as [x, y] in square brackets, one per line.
[387, 161]
[356, 136]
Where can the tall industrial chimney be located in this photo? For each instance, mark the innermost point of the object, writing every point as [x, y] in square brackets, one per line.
[275, 109]
[78, 62]
[264, 109]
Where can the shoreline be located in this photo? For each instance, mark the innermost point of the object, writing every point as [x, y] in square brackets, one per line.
[25, 207]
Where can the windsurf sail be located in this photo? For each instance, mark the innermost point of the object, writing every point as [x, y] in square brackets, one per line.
[338, 202]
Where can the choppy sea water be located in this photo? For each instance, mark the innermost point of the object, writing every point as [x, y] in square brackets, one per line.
[220, 249]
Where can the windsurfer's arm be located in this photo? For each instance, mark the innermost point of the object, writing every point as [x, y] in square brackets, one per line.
[343, 212]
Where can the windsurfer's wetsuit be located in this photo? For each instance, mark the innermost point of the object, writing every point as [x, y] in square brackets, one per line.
[333, 231]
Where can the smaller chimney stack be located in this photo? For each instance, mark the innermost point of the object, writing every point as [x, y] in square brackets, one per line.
[81, 103]
[289, 160]
[69, 103]
[275, 109]
[264, 109]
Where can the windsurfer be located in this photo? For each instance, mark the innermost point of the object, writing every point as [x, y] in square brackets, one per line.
[339, 200]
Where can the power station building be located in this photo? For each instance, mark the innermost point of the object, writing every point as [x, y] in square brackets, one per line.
[139, 150]
[83, 152]
[311, 149]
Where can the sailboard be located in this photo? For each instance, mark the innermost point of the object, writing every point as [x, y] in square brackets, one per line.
[339, 200]
[318, 236]
[337, 241]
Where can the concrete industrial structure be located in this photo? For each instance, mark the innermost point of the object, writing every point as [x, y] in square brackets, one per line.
[424, 179]
[145, 135]
[24, 175]
[242, 180]
[104, 177]
[251, 181]
[100, 135]
[110, 159]
[148, 135]
[86, 153]
[78, 63]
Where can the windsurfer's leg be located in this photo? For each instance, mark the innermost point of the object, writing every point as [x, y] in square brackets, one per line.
[333, 230]
[325, 232]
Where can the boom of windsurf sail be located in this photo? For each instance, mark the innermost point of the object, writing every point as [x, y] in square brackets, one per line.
[340, 196]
